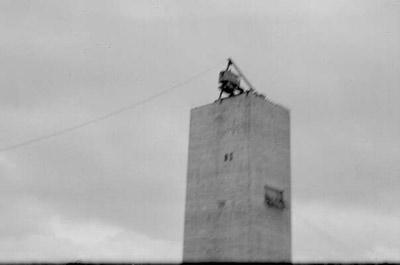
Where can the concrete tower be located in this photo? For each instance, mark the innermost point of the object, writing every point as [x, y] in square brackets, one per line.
[238, 182]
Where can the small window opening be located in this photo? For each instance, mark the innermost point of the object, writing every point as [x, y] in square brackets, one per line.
[228, 156]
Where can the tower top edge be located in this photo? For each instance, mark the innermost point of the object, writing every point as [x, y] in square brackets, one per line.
[247, 94]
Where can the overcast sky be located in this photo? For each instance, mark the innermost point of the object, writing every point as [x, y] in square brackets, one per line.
[115, 190]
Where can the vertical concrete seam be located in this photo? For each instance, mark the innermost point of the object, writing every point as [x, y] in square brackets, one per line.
[290, 188]
[214, 241]
[248, 120]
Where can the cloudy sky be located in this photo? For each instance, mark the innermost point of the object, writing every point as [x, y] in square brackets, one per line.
[115, 190]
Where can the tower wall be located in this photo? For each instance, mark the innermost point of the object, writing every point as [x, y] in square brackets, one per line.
[270, 228]
[236, 147]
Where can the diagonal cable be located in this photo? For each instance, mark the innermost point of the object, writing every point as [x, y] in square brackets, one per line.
[106, 116]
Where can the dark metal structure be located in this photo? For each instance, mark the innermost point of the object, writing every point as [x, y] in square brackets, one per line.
[229, 82]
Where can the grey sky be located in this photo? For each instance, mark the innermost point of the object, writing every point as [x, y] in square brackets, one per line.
[115, 190]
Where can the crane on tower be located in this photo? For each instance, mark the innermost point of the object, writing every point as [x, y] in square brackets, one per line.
[229, 82]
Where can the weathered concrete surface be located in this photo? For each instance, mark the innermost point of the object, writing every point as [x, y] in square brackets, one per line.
[236, 147]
